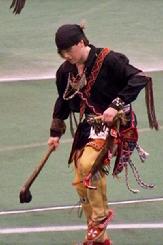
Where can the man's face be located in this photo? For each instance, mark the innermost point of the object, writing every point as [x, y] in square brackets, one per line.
[74, 54]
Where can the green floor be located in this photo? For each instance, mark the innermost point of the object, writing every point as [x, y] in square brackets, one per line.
[27, 50]
[24, 129]
[27, 41]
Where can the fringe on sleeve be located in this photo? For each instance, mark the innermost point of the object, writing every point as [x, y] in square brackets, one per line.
[149, 98]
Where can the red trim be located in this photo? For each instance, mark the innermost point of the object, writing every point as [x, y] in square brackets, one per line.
[90, 81]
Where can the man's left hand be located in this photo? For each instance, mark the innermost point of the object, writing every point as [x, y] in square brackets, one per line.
[109, 114]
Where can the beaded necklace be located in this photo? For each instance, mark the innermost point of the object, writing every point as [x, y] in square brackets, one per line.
[74, 85]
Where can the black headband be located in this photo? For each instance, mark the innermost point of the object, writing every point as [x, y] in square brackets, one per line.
[68, 35]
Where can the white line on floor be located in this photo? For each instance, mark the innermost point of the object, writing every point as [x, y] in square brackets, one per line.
[52, 76]
[77, 228]
[73, 207]
[64, 141]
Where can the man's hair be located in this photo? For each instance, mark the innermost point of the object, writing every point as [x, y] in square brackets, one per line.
[69, 35]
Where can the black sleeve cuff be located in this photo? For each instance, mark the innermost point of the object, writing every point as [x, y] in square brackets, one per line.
[54, 133]
[57, 128]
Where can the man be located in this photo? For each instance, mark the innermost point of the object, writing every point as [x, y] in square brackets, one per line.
[99, 82]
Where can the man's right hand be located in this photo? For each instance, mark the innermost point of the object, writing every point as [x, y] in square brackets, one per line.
[53, 141]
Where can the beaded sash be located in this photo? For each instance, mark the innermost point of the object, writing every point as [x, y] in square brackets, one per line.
[85, 94]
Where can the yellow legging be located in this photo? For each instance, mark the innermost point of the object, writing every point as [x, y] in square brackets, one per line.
[94, 202]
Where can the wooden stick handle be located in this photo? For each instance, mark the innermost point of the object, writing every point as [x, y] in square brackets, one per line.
[37, 170]
[94, 119]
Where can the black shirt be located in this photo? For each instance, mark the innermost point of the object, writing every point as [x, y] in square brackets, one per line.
[117, 78]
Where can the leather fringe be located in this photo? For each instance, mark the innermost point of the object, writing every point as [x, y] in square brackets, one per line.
[149, 98]
[73, 119]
